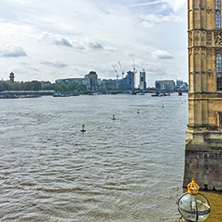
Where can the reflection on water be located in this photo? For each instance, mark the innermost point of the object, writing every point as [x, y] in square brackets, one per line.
[128, 169]
[215, 200]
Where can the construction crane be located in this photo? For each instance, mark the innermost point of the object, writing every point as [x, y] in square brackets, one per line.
[117, 76]
[134, 67]
[121, 69]
[144, 69]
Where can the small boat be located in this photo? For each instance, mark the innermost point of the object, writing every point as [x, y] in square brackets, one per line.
[157, 94]
[61, 95]
[9, 96]
[29, 96]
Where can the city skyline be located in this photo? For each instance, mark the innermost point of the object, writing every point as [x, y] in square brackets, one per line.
[52, 40]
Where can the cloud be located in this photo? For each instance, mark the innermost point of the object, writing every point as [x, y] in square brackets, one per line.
[130, 54]
[28, 66]
[56, 64]
[54, 39]
[77, 45]
[12, 51]
[151, 19]
[161, 54]
[174, 4]
[94, 44]
[146, 3]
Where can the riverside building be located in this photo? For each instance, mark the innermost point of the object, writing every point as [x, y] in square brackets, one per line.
[142, 85]
[80, 81]
[165, 85]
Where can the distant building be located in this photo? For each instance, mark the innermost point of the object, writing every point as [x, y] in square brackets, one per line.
[128, 82]
[80, 81]
[165, 85]
[109, 84]
[4, 81]
[142, 85]
[11, 77]
[180, 84]
[93, 77]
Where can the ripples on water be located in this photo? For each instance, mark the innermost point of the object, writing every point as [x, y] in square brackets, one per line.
[130, 169]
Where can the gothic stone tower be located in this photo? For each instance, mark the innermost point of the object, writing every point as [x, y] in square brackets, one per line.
[203, 153]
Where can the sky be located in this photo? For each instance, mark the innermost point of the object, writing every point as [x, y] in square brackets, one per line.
[46, 40]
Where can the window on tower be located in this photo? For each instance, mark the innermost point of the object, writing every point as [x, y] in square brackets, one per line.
[218, 62]
[218, 19]
[217, 4]
[219, 82]
[219, 71]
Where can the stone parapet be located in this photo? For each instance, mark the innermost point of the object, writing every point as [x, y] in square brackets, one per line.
[205, 166]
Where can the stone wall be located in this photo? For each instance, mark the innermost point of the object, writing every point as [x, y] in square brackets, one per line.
[205, 167]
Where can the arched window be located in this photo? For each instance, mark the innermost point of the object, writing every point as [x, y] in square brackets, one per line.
[219, 82]
[219, 62]
[219, 71]
[218, 19]
[217, 4]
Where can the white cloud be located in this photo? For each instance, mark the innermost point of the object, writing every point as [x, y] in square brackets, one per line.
[12, 51]
[54, 39]
[150, 20]
[93, 44]
[56, 64]
[161, 54]
[77, 45]
[174, 4]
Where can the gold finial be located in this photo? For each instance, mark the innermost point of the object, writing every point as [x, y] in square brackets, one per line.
[192, 187]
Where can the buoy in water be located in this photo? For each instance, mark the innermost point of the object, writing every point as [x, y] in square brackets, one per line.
[83, 129]
[138, 111]
[113, 117]
[163, 106]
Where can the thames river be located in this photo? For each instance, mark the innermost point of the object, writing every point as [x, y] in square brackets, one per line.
[124, 170]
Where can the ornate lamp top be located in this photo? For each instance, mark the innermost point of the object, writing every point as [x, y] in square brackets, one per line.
[192, 187]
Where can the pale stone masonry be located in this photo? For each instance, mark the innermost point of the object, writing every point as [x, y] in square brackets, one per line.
[203, 153]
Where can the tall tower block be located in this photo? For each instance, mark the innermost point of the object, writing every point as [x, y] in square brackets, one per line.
[203, 153]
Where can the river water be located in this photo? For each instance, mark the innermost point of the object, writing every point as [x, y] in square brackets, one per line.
[129, 169]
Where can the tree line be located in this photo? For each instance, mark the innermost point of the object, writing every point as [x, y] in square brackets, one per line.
[36, 85]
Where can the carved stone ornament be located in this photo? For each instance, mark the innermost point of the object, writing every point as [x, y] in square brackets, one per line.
[208, 10]
[209, 38]
[218, 52]
[197, 39]
[218, 39]
[203, 38]
[190, 39]
[210, 72]
[209, 52]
